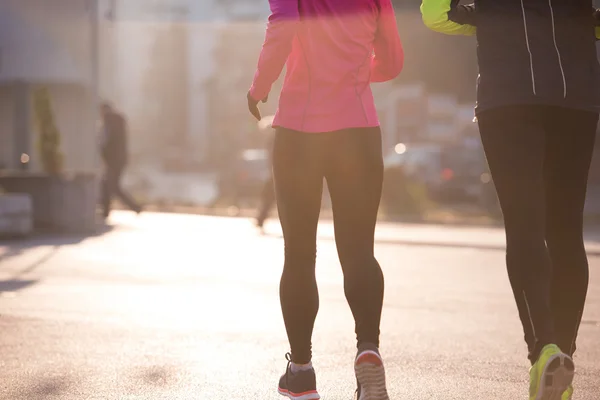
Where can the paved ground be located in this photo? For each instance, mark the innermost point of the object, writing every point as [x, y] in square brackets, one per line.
[186, 307]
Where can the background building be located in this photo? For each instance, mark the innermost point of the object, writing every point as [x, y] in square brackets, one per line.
[51, 44]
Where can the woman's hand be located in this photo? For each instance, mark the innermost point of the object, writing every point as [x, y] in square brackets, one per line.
[253, 106]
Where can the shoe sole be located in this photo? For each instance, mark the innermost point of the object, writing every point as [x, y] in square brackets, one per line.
[313, 395]
[557, 376]
[370, 373]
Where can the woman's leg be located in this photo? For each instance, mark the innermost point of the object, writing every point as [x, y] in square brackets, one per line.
[298, 174]
[514, 140]
[354, 174]
[569, 153]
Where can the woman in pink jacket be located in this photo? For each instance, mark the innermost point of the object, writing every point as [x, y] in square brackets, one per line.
[327, 127]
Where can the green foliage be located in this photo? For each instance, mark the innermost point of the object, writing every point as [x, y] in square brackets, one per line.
[48, 134]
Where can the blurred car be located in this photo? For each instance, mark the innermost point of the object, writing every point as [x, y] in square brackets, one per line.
[450, 173]
[418, 161]
[462, 170]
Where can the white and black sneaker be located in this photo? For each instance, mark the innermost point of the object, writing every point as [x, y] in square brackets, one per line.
[370, 374]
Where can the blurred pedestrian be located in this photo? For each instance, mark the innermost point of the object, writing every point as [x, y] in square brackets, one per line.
[267, 198]
[327, 127]
[114, 154]
[538, 103]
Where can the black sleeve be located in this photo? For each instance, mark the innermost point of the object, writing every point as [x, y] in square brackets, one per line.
[463, 14]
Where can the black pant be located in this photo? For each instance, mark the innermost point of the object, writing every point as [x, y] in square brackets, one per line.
[351, 161]
[539, 158]
[111, 186]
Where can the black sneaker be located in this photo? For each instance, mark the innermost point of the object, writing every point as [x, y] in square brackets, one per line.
[301, 385]
[370, 375]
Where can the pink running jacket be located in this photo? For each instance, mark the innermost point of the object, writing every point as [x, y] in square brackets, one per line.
[333, 50]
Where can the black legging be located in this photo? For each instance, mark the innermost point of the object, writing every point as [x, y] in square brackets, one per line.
[539, 158]
[351, 161]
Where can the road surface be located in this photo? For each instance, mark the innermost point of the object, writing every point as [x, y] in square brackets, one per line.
[186, 307]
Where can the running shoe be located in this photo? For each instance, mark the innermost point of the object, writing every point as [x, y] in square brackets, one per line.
[568, 394]
[370, 375]
[551, 376]
[301, 385]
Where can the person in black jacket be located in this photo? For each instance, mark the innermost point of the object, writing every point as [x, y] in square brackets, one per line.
[114, 155]
[537, 109]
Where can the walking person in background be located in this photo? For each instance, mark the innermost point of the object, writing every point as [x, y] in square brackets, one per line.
[538, 102]
[114, 154]
[267, 198]
[327, 127]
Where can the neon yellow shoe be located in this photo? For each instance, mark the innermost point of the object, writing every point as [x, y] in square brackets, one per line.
[568, 394]
[551, 376]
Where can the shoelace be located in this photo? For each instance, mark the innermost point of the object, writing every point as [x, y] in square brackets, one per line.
[288, 357]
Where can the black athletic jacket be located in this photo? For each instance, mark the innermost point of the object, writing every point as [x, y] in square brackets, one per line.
[529, 51]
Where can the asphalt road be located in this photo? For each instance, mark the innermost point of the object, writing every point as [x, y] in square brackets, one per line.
[186, 307]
